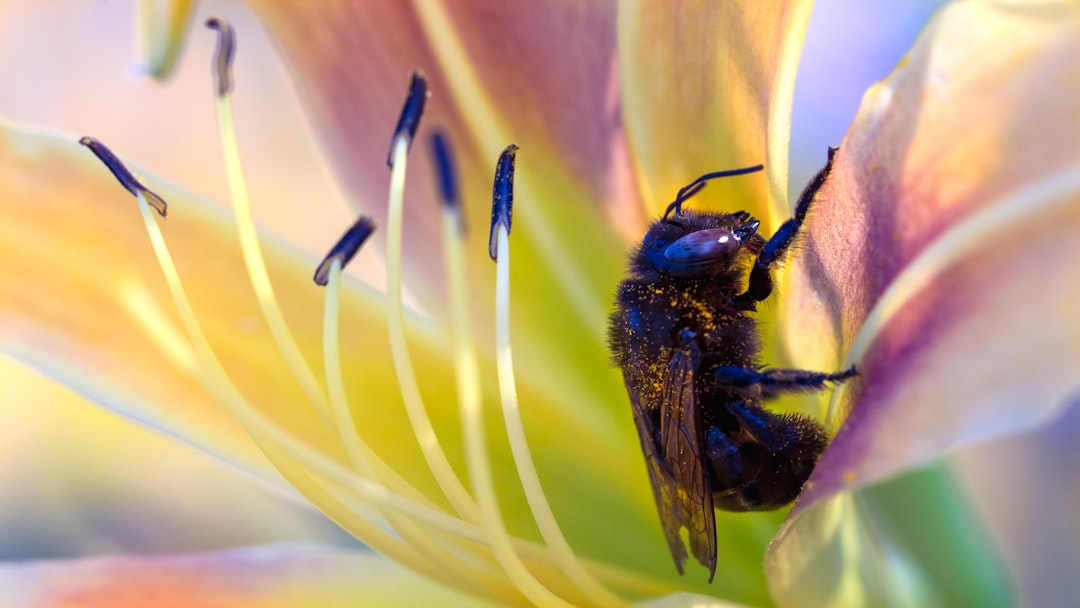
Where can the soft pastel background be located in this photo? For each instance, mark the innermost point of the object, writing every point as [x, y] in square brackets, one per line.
[75, 480]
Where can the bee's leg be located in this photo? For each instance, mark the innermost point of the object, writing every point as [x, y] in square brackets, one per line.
[763, 464]
[726, 458]
[776, 381]
[760, 285]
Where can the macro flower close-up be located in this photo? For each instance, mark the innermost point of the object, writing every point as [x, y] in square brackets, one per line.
[188, 419]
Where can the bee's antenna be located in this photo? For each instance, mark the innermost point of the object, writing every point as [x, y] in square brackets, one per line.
[695, 186]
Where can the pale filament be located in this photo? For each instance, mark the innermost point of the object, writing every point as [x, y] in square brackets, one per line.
[364, 459]
[410, 391]
[256, 265]
[519, 446]
[278, 445]
[470, 401]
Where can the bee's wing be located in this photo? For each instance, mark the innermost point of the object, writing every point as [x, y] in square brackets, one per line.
[682, 436]
[665, 490]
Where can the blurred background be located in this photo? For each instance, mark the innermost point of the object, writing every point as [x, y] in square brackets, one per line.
[77, 480]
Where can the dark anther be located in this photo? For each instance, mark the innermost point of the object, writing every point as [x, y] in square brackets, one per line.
[695, 186]
[346, 248]
[446, 169]
[125, 177]
[502, 198]
[223, 54]
[410, 113]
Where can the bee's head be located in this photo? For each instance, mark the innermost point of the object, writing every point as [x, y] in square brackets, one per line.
[697, 244]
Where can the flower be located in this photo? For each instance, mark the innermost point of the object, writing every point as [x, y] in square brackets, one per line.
[124, 345]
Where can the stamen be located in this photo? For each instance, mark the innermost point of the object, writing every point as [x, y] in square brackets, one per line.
[368, 464]
[346, 247]
[271, 310]
[223, 54]
[502, 206]
[281, 447]
[126, 178]
[410, 113]
[471, 403]
[245, 226]
[270, 437]
[289, 455]
[447, 173]
[440, 467]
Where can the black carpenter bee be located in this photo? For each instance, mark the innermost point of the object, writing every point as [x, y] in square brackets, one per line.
[688, 348]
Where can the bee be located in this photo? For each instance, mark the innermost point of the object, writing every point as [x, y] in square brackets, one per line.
[683, 336]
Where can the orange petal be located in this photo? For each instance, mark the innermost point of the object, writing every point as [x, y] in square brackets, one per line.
[269, 576]
[709, 88]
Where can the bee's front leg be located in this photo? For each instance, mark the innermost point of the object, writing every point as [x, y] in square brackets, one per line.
[760, 285]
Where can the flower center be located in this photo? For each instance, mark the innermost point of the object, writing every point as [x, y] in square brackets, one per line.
[368, 497]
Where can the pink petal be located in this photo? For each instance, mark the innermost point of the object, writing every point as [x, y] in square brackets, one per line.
[950, 218]
[540, 78]
[938, 259]
[172, 126]
[1026, 488]
[268, 576]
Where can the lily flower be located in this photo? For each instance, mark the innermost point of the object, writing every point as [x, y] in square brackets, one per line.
[464, 423]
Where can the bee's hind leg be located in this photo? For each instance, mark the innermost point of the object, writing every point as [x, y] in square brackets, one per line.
[760, 285]
[776, 381]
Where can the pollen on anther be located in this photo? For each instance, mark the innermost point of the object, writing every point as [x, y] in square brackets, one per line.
[223, 54]
[126, 178]
[410, 113]
[346, 248]
[502, 198]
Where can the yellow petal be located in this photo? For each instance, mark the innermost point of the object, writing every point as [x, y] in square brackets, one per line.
[78, 480]
[270, 576]
[76, 290]
[708, 87]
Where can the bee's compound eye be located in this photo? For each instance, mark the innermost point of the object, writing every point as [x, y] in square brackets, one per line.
[702, 246]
